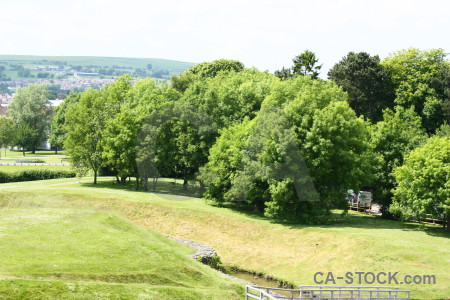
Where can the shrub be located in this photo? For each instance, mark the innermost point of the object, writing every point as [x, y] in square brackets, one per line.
[30, 175]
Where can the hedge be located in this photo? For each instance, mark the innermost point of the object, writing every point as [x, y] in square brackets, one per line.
[30, 175]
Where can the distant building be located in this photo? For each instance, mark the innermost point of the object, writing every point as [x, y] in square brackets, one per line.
[86, 74]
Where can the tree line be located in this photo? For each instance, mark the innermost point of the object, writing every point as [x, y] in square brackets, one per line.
[288, 144]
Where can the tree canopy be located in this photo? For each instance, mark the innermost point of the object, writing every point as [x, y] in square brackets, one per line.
[367, 83]
[31, 109]
[424, 181]
[421, 79]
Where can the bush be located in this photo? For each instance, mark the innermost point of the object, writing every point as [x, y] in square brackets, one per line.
[30, 175]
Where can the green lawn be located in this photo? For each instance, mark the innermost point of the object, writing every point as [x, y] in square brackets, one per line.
[291, 252]
[14, 169]
[47, 156]
[59, 245]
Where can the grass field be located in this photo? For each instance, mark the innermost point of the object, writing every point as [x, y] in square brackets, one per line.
[48, 157]
[291, 252]
[58, 245]
[10, 156]
[14, 169]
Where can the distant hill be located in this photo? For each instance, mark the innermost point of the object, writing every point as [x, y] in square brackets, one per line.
[31, 67]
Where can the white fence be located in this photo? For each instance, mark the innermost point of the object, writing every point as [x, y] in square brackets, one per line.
[327, 292]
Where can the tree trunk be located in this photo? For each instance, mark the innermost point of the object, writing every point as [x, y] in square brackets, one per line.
[155, 181]
[145, 183]
[56, 150]
[123, 180]
[137, 183]
[185, 184]
[23, 151]
[95, 176]
[33, 151]
[117, 179]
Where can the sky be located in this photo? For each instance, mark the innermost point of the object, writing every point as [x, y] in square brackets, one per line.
[265, 34]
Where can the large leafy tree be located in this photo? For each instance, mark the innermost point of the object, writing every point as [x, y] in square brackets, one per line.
[393, 138]
[84, 132]
[225, 160]
[209, 104]
[304, 149]
[367, 83]
[57, 132]
[424, 181]
[182, 137]
[86, 121]
[30, 108]
[25, 136]
[421, 80]
[121, 131]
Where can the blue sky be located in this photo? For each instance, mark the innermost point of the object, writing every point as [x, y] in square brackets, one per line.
[265, 34]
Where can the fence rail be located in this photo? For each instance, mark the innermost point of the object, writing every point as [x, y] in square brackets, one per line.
[327, 292]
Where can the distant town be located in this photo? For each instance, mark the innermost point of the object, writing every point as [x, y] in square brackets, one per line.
[65, 74]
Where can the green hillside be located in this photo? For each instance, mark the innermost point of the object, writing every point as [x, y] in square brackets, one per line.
[53, 248]
[107, 249]
[158, 63]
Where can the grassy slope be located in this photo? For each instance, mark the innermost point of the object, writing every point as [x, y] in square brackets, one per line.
[57, 245]
[157, 63]
[290, 252]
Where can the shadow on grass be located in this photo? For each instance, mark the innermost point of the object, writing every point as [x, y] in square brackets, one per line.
[164, 186]
[38, 153]
[174, 188]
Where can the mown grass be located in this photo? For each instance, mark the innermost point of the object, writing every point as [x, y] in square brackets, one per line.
[14, 169]
[58, 245]
[48, 157]
[291, 252]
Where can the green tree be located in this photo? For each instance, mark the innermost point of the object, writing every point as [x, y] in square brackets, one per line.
[304, 149]
[230, 97]
[121, 132]
[305, 64]
[424, 181]
[84, 126]
[57, 131]
[205, 70]
[30, 108]
[86, 120]
[392, 139]
[367, 83]
[414, 74]
[183, 136]
[25, 136]
[7, 133]
[225, 160]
